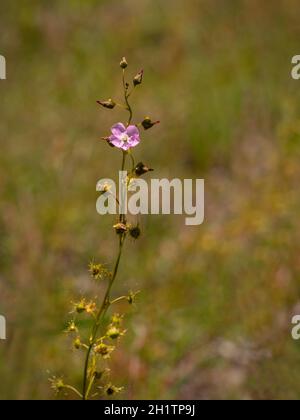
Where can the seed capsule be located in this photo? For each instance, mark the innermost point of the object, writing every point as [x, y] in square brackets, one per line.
[120, 228]
[137, 80]
[147, 123]
[123, 63]
[142, 169]
[109, 104]
[135, 232]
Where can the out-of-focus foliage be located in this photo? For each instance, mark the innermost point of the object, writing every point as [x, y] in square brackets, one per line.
[213, 318]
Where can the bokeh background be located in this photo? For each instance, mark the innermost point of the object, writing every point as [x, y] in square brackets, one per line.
[213, 318]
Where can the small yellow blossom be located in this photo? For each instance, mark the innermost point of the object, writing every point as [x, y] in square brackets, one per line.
[80, 306]
[120, 228]
[98, 271]
[71, 327]
[57, 384]
[116, 319]
[104, 350]
[91, 308]
[77, 343]
[114, 332]
[110, 389]
[132, 297]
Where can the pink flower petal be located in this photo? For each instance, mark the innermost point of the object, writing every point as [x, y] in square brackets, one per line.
[115, 141]
[134, 141]
[126, 146]
[118, 129]
[132, 130]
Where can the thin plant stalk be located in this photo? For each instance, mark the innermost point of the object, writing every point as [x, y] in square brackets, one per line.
[106, 300]
[125, 138]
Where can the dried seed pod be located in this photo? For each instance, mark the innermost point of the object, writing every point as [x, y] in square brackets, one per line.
[137, 80]
[123, 63]
[109, 104]
[142, 169]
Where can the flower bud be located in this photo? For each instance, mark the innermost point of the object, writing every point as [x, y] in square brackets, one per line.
[72, 327]
[107, 139]
[147, 123]
[109, 104]
[137, 80]
[120, 228]
[135, 232]
[98, 375]
[142, 169]
[123, 63]
[77, 343]
[132, 297]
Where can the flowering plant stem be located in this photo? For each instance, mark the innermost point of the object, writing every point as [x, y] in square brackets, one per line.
[106, 300]
[102, 311]
[98, 346]
[105, 303]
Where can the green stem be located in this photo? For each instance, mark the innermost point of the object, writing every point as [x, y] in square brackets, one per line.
[103, 309]
[106, 300]
[122, 216]
[118, 300]
[90, 387]
[132, 160]
[101, 313]
[126, 96]
[71, 388]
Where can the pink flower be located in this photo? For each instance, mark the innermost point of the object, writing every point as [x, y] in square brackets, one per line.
[124, 138]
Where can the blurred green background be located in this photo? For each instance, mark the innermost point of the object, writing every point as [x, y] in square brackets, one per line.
[213, 318]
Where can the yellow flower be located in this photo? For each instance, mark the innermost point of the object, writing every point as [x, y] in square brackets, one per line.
[113, 332]
[57, 384]
[71, 327]
[98, 271]
[116, 319]
[132, 297]
[111, 389]
[104, 350]
[80, 306]
[91, 308]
